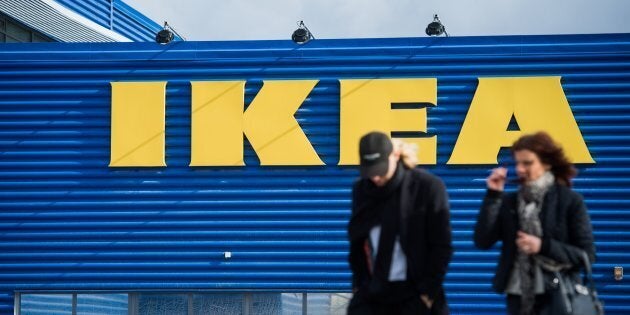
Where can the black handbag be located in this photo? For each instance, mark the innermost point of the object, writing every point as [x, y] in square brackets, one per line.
[570, 295]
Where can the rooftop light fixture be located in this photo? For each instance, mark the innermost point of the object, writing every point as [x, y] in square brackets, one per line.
[302, 35]
[436, 28]
[167, 35]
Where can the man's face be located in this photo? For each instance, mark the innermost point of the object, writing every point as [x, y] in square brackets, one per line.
[382, 180]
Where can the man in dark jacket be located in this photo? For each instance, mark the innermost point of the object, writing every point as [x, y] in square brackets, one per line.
[400, 233]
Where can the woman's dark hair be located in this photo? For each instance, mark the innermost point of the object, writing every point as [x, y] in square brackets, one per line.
[549, 153]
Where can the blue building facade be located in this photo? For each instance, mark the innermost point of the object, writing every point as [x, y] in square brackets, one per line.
[70, 224]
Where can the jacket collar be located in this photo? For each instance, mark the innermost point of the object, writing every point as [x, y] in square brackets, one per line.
[547, 213]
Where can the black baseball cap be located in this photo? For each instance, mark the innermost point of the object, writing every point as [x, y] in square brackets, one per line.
[374, 150]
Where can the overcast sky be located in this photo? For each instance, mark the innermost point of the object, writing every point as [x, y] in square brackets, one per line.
[276, 19]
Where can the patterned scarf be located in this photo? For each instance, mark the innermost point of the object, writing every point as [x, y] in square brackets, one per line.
[530, 199]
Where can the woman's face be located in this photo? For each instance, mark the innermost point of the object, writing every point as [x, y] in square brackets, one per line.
[528, 166]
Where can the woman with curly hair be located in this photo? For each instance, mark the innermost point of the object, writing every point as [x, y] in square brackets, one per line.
[543, 226]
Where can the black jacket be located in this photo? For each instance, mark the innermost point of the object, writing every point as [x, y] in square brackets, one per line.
[565, 223]
[425, 232]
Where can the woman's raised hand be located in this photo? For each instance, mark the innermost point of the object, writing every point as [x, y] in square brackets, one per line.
[496, 180]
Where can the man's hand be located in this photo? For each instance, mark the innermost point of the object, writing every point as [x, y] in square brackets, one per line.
[426, 300]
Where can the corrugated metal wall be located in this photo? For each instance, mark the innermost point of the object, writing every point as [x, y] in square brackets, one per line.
[126, 20]
[69, 222]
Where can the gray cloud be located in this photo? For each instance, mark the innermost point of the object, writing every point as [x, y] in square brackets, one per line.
[275, 19]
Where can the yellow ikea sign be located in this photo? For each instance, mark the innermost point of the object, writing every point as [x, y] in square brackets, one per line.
[219, 121]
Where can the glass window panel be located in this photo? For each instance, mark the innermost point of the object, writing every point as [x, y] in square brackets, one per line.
[39, 39]
[102, 304]
[46, 304]
[10, 39]
[266, 303]
[2, 39]
[18, 33]
[339, 303]
[318, 304]
[212, 303]
[1, 24]
[162, 304]
[219, 303]
[292, 303]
